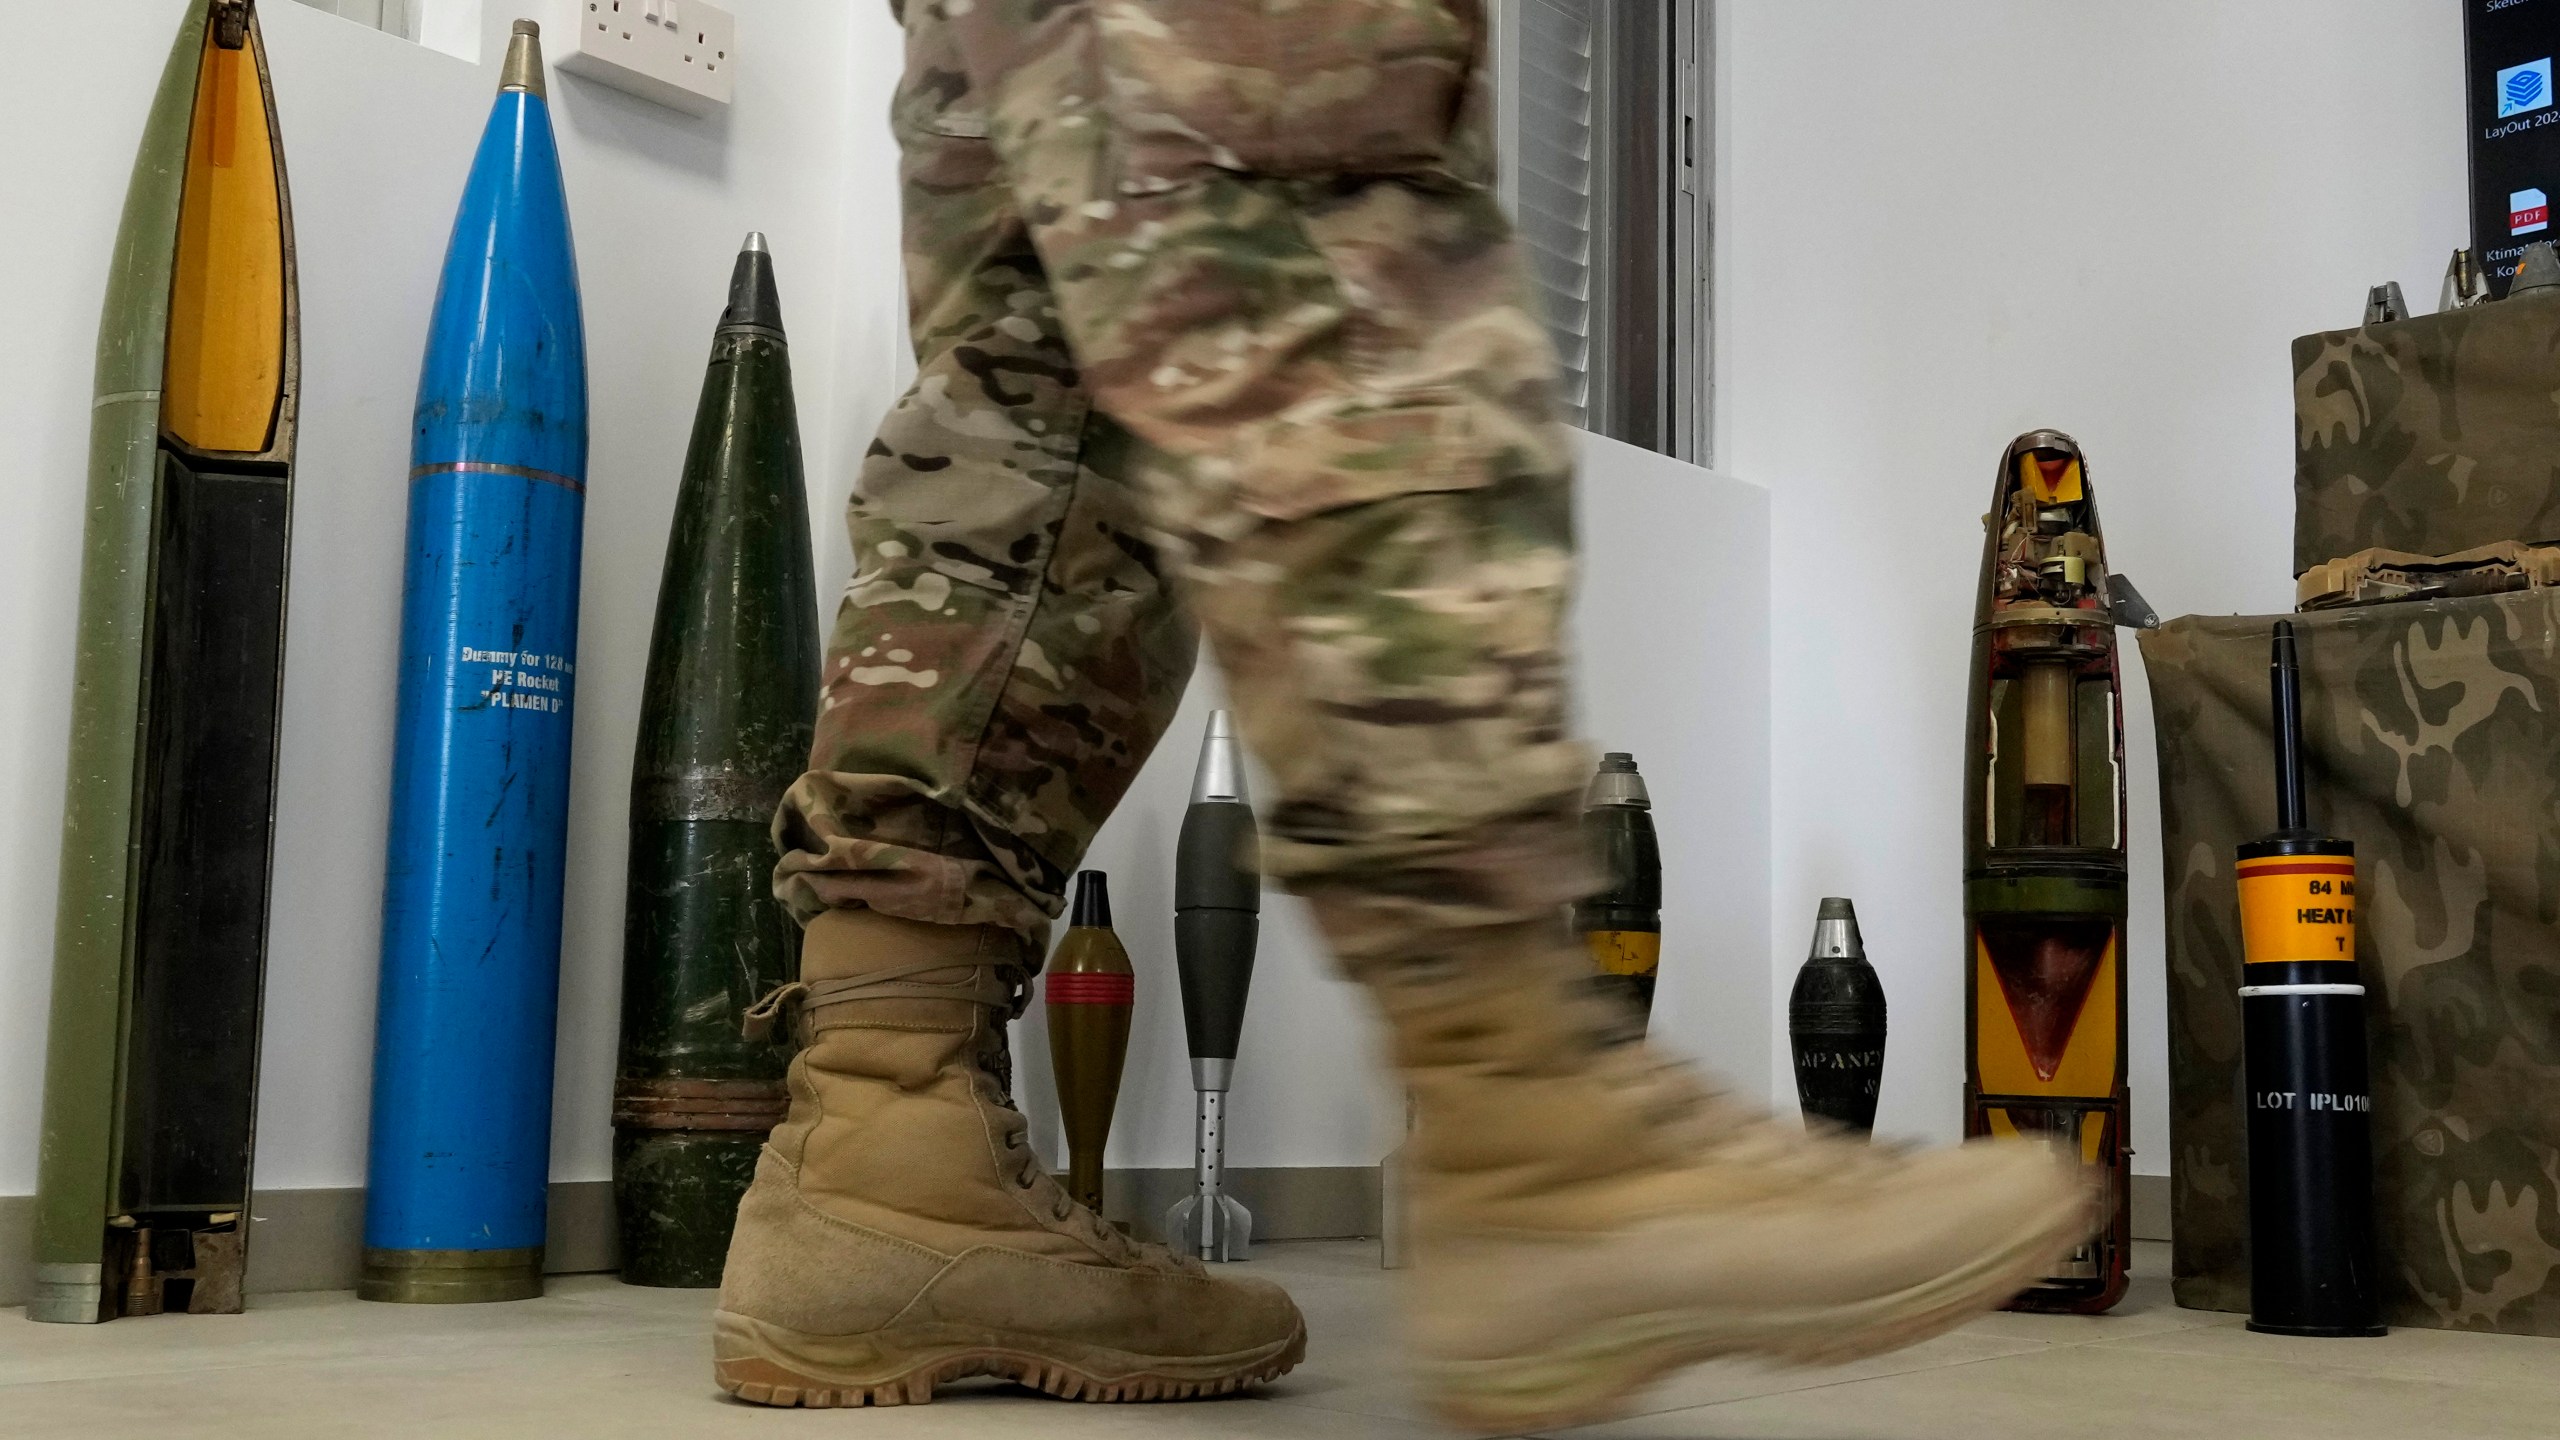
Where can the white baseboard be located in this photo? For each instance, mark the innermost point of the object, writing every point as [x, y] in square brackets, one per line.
[314, 1239]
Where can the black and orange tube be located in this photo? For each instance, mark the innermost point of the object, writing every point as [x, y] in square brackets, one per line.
[2313, 1261]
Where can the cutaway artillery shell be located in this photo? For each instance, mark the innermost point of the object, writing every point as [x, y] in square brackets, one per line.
[2044, 878]
[160, 929]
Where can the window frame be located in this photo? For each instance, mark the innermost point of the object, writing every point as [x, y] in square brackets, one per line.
[1650, 271]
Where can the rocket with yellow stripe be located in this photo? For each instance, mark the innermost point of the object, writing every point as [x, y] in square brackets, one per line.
[2044, 849]
[160, 928]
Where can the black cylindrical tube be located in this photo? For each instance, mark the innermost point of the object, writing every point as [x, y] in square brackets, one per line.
[2313, 1261]
[2312, 1257]
[2285, 688]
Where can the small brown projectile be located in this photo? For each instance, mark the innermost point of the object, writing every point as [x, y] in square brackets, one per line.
[1092, 992]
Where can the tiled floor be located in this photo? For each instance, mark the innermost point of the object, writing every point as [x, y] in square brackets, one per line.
[597, 1358]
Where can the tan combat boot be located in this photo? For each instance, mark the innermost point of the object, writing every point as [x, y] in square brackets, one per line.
[1587, 1218]
[901, 1233]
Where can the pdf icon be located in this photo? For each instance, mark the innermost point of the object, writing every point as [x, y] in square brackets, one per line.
[2527, 212]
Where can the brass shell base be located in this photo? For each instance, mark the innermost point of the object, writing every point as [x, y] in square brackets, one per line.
[450, 1277]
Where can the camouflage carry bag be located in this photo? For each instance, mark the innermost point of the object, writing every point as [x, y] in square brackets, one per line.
[2432, 740]
[2428, 435]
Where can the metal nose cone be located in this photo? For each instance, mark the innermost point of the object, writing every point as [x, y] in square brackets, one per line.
[754, 299]
[2053, 440]
[1221, 772]
[2383, 304]
[523, 70]
[1617, 783]
[1835, 930]
[2461, 283]
[2539, 270]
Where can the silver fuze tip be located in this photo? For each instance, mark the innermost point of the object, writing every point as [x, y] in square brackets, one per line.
[1221, 772]
[1835, 929]
[1617, 782]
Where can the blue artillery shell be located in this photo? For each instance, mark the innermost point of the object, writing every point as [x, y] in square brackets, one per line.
[460, 1156]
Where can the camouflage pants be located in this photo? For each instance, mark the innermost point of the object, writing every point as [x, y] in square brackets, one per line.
[1217, 324]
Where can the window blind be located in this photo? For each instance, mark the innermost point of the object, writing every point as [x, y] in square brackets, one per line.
[1556, 171]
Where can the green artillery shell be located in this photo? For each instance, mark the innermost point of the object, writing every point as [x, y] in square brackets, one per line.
[1622, 925]
[1092, 992]
[160, 930]
[724, 730]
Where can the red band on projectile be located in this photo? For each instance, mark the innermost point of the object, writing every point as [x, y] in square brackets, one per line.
[1079, 988]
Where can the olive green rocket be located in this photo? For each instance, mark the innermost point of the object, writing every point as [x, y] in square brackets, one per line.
[724, 730]
[160, 930]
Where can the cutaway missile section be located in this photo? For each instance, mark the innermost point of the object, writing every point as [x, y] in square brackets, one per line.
[2044, 845]
[160, 937]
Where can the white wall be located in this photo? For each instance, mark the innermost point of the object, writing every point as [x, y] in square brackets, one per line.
[378, 134]
[1945, 224]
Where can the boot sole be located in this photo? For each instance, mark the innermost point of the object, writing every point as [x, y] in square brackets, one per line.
[1595, 1378]
[769, 1365]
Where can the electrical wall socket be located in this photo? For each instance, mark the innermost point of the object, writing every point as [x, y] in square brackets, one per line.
[680, 53]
